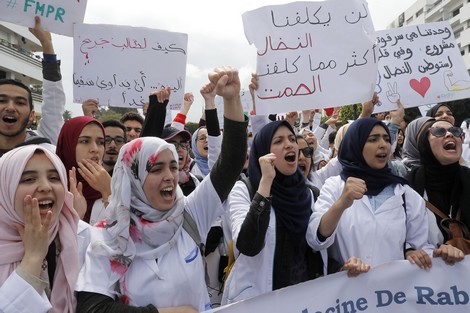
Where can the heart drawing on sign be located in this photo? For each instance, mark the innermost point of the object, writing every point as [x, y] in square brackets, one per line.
[421, 86]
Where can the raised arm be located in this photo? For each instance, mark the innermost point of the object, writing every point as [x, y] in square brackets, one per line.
[233, 152]
[53, 91]
[156, 113]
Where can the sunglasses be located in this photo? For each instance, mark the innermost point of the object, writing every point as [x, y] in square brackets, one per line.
[307, 151]
[441, 131]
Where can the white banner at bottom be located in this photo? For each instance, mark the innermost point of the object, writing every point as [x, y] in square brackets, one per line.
[389, 288]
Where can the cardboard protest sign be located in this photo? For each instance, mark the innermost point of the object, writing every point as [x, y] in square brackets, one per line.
[312, 54]
[121, 65]
[57, 16]
[420, 65]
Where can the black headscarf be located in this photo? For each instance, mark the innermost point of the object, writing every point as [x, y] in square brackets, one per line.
[446, 186]
[438, 180]
[351, 158]
[291, 199]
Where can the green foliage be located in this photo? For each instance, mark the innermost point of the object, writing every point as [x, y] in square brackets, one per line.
[36, 89]
[112, 113]
[350, 112]
[191, 126]
[67, 115]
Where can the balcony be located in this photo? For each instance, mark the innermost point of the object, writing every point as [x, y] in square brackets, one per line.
[20, 53]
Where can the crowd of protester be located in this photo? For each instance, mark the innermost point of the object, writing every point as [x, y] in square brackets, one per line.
[138, 216]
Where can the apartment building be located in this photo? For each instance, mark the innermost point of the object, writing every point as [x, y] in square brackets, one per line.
[19, 59]
[457, 12]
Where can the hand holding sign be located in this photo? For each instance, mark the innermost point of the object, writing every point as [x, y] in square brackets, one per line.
[43, 36]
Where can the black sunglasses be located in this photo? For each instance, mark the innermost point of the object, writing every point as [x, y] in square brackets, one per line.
[441, 131]
[307, 151]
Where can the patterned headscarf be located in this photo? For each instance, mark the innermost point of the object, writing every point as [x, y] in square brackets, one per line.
[133, 227]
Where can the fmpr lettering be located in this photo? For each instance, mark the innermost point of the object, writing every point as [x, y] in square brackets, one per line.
[44, 10]
[454, 297]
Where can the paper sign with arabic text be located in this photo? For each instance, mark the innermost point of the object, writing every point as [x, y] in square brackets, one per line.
[312, 54]
[420, 65]
[121, 65]
[57, 16]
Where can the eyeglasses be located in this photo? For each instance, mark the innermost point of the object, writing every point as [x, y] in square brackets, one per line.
[202, 138]
[183, 145]
[118, 140]
[307, 151]
[441, 131]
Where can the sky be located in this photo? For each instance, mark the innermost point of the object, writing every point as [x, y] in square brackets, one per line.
[215, 35]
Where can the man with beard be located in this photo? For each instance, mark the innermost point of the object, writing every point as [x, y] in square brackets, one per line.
[16, 102]
[115, 138]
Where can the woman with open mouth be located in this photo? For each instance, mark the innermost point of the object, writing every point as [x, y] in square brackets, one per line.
[440, 179]
[200, 148]
[81, 148]
[269, 229]
[39, 263]
[144, 254]
[359, 209]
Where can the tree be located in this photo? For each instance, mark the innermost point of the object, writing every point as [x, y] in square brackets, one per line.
[112, 113]
[37, 89]
[350, 112]
[66, 115]
[191, 127]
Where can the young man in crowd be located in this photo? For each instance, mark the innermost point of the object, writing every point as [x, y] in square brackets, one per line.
[133, 123]
[115, 138]
[16, 103]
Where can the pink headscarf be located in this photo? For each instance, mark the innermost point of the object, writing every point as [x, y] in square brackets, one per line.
[12, 165]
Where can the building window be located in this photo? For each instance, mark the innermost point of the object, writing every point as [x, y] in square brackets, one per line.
[456, 12]
[3, 74]
[421, 12]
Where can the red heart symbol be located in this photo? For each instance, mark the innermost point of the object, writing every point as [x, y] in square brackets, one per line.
[329, 111]
[421, 86]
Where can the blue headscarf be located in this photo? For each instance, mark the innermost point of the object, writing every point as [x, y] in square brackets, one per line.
[351, 158]
[291, 199]
[202, 162]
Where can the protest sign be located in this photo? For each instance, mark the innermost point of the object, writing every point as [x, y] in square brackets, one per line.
[57, 16]
[397, 286]
[247, 104]
[121, 65]
[312, 54]
[420, 65]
